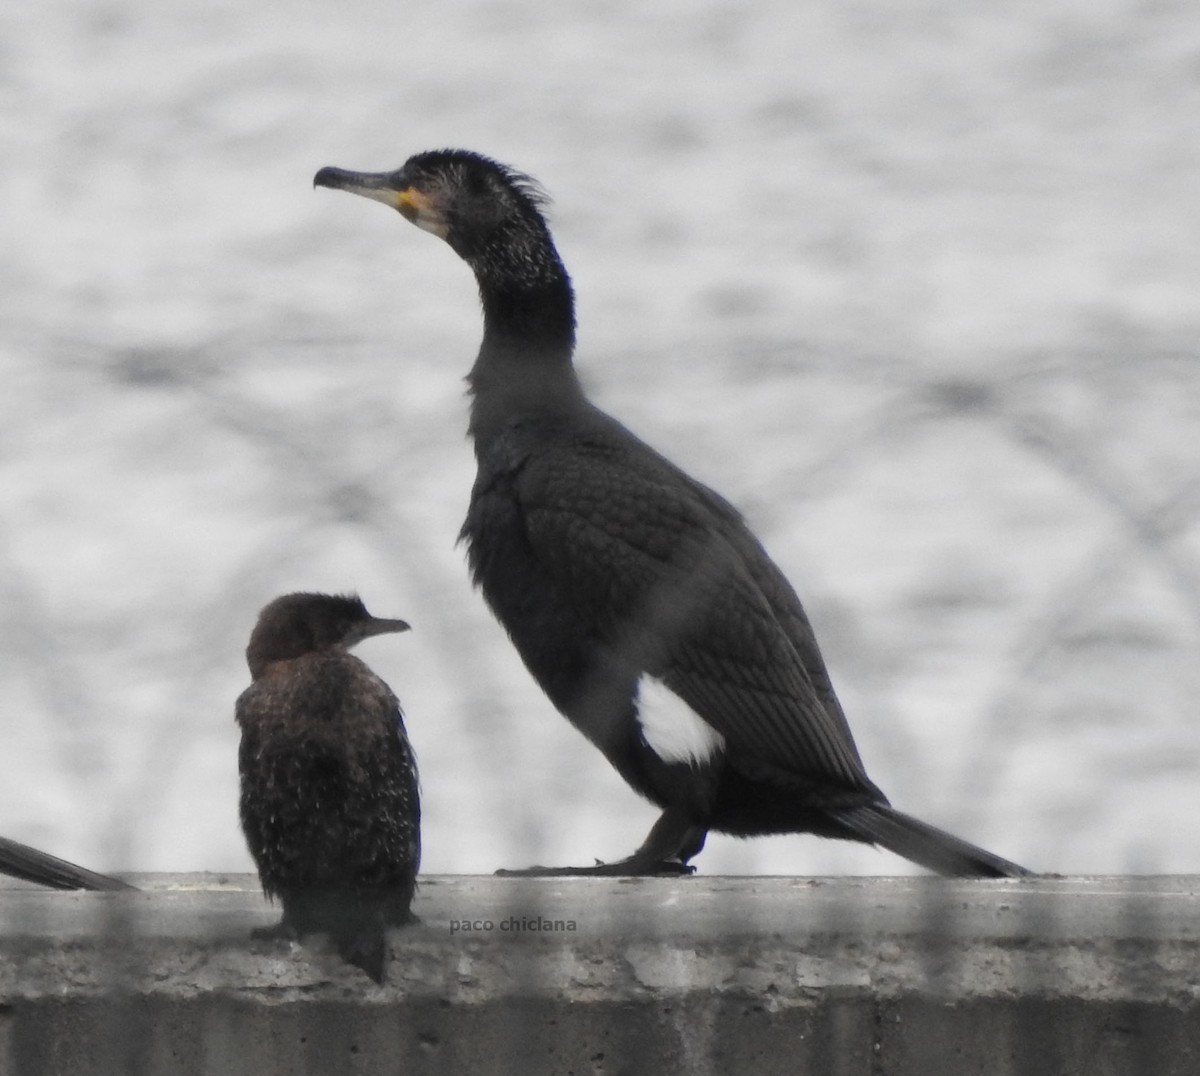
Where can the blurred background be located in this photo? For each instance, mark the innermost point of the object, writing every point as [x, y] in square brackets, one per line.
[919, 290]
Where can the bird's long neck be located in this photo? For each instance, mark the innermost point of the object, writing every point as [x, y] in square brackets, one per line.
[524, 364]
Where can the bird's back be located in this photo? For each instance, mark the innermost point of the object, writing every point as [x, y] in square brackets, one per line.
[329, 782]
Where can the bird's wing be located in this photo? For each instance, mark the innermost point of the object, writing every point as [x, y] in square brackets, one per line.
[793, 620]
[665, 572]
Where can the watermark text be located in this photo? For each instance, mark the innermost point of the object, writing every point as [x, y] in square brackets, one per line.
[514, 924]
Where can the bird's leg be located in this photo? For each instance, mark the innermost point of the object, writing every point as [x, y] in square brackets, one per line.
[672, 841]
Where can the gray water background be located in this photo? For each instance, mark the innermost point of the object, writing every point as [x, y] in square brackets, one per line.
[917, 287]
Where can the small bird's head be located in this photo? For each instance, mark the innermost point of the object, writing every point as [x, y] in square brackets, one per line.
[299, 624]
[462, 197]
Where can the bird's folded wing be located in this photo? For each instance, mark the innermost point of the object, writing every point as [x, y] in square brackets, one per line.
[663, 571]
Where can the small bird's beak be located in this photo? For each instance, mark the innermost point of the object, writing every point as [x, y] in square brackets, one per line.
[375, 626]
[391, 189]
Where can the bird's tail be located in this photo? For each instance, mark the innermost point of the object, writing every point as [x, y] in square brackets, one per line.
[932, 848]
[21, 861]
[365, 946]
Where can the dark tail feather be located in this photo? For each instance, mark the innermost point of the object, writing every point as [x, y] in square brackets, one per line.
[356, 923]
[21, 861]
[932, 848]
[365, 948]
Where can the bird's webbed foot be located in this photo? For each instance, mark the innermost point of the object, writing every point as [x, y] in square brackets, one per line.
[632, 866]
[281, 931]
[672, 841]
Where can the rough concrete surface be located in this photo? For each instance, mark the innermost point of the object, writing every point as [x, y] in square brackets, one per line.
[611, 976]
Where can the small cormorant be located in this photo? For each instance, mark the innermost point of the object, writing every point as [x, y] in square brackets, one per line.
[329, 798]
[32, 865]
[637, 597]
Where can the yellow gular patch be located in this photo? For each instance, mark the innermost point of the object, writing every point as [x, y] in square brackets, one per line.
[422, 210]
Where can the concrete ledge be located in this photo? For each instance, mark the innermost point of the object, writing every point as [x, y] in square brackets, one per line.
[719, 975]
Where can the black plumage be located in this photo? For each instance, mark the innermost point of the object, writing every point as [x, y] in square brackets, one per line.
[32, 865]
[637, 597]
[329, 799]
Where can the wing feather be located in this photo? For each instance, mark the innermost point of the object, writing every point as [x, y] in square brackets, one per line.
[666, 573]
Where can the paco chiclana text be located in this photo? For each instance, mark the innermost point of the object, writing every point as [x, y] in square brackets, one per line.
[514, 924]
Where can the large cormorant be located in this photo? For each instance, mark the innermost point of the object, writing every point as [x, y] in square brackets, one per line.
[637, 597]
[329, 798]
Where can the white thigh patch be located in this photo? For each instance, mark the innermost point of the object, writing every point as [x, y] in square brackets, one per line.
[674, 731]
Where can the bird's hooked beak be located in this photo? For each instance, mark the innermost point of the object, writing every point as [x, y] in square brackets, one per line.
[375, 625]
[392, 189]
